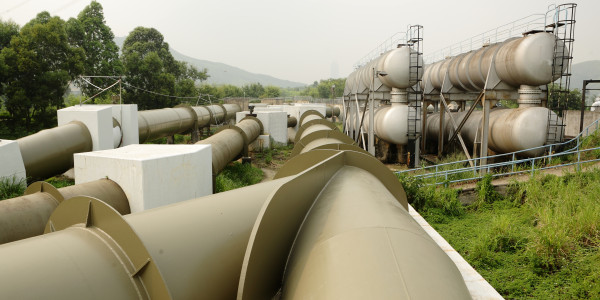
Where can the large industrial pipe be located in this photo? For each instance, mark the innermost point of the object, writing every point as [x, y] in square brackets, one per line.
[50, 151]
[26, 216]
[518, 61]
[510, 129]
[219, 246]
[232, 141]
[157, 123]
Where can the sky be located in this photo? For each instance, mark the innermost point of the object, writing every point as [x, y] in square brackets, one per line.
[309, 40]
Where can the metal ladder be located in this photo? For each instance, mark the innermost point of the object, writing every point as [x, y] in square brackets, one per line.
[562, 25]
[415, 41]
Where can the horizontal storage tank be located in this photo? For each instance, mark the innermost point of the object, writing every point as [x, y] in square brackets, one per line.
[518, 61]
[395, 63]
[390, 123]
[510, 129]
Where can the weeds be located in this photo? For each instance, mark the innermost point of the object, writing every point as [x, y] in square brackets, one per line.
[541, 240]
[60, 181]
[11, 187]
[237, 175]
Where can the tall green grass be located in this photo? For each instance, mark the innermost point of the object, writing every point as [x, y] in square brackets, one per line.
[11, 187]
[541, 240]
[237, 175]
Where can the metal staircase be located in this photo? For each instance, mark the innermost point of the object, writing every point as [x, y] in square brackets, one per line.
[562, 25]
[415, 41]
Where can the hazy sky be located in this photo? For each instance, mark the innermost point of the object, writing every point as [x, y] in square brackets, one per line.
[308, 40]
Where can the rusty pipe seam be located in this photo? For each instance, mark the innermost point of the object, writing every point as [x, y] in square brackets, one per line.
[207, 265]
[26, 216]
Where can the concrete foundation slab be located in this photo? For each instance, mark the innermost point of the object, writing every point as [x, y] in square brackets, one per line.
[151, 175]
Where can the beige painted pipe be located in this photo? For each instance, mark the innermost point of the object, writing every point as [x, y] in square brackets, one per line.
[157, 123]
[50, 152]
[26, 216]
[231, 141]
[245, 242]
[292, 121]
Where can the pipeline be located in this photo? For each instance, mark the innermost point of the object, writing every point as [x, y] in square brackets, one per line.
[510, 129]
[283, 235]
[50, 151]
[157, 123]
[25, 216]
[332, 111]
[231, 141]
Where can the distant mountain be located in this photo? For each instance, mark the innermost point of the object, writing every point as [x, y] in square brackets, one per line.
[583, 71]
[221, 73]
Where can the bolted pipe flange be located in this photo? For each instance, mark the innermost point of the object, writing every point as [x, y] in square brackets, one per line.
[529, 96]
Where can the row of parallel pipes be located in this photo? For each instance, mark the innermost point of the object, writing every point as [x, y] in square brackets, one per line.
[332, 224]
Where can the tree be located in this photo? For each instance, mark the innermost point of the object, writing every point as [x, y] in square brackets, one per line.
[561, 99]
[254, 90]
[8, 30]
[90, 32]
[271, 92]
[229, 90]
[151, 71]
[39, 64]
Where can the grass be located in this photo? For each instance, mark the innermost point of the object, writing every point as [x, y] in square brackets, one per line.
[60, 181]
[11, 187]
[541, 240]
[273, 158]
[237, 175]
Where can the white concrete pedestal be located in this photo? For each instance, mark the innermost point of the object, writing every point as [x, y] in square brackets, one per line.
[11, 161]
[151, 175]
[99, 121]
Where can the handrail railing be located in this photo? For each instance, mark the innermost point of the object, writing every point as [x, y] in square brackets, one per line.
[513, 163]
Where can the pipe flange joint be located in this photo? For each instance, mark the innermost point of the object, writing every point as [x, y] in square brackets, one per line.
[107, 224]
[44, 187]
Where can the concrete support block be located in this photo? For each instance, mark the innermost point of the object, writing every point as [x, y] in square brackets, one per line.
[151, 175]
[99, 121]
[127, 116]
[274, 124]
[11, 161]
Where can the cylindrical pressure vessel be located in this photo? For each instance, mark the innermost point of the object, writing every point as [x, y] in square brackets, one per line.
[510, 129]
[394, 69]
[518, 61]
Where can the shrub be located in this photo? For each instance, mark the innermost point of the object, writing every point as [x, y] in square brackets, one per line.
[11, 187]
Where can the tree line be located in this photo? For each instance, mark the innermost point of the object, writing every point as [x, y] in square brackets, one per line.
[41, 58]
